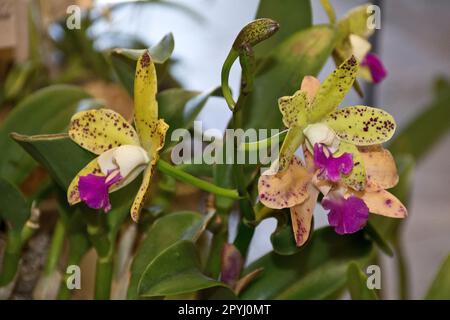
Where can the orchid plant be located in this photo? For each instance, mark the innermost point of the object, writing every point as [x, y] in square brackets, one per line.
[161, 229]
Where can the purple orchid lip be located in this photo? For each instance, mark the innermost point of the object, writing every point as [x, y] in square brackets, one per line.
[376, 67]
[331, 166]
[346, 215]
[94, 189]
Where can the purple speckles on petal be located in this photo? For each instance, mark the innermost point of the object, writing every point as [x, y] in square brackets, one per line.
[94, 190]
[376, 67]
[346, 215]
[332, 167]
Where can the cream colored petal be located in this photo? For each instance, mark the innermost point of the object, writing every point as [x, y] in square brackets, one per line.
[360, 46]
[285, 189]
[381, 171]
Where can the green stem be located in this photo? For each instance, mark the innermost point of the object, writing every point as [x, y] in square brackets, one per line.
[55, 248]
[174, 172]
[232, 56]
[103, 278]
[262, 144]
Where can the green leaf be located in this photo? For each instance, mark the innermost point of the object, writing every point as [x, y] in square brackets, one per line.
[303, 53]
[357, 284]
[378, 239]
[179, 107]
[175, 271]
[361, 125]
[46, 111]
[162, 234]
[13, 207]
[160, 52]
[421, 134]
[333, 90]
[292, 15]
[316, 272]
[440, 288]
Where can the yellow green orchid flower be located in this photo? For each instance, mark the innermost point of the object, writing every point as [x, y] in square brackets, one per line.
[344, 159]
[354, 33]
[123, 151]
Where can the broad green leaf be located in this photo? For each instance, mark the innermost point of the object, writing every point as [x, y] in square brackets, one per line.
[17, 78]
[440, 288]
[361, 125]
[357, 178]
[292, 15]
[46, 111]
[282, 239]
[179, 107]
[315, 272]
[333, 90]
[160, 52]
[293, 109]
[175, 271]
[303, 53]
[100, 130]
[13, 207]
[421, 134]
[378, 239]
[161, 235]
[357, 284]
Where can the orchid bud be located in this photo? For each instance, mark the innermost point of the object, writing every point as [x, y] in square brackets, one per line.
[255, 32]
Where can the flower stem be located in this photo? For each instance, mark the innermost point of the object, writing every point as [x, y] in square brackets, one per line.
[180, 175]
[55, 248]
[103, 277]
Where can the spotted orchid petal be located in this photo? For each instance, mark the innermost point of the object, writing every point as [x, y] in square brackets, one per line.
[94, 190]
[293, 109]
[100, 130]
[301, 215]
[333, 90]
[284, 189]
[381, 202]
[157, 142]
[346, 215]
[294, 138]
[381, 170]
[145, 103]
[377, 70]
[356, 179]
[362, 125]
[332, 167]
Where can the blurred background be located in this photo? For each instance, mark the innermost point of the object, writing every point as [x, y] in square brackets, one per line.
[413, 43]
